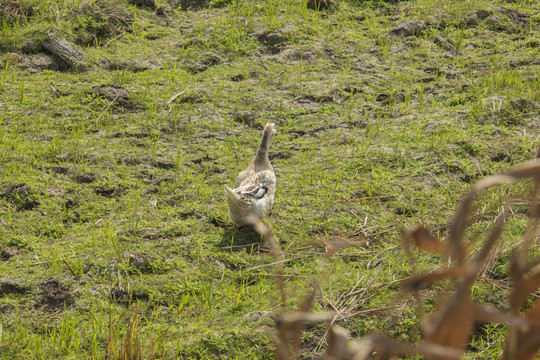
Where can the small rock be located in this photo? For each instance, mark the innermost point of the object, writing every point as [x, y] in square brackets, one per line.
[408, 28]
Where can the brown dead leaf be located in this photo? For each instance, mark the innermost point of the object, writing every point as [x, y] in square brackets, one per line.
[483, 255]
[290, 328]
[426, 241]
[488, 314]
[525, 343]
[456, 248]
[416, 283]
[337, 338]
[382, 348]
[522, 289]
[451, 324]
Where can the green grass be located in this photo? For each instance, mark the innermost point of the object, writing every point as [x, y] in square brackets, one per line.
[374, 133]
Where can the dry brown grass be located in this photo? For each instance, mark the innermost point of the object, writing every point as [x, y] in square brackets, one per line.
[447, 330]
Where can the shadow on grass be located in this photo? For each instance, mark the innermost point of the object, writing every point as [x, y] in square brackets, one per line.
[236, 238]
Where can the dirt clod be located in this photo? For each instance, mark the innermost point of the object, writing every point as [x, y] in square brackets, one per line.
[124, 297]
[54, 295]
[15, 191]
[162, 164]
[60, 170]
[320, 4]
[407, 28]
[85, 178]
[246, 117]
[138, 260]
[109, 191]
[29, 205]
[521, 105]
[110, 91]
[150, 3]
[475, 17]
[9, 252]
[37, 63]
[387, 98]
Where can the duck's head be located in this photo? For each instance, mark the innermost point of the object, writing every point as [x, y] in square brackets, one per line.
[269, 128]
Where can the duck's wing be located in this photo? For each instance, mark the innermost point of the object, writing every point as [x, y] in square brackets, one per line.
[254, 191]
[258, 185]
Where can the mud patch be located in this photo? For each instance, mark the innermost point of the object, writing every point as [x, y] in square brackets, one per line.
[162, 164]
[59, 170]
[21, 196]
[320, 4]
[189, 4]
[124, 297]
[12, 11]
[8, 252]
[133, 66]
[520, 19]
[106, 19]
[247, 118]
[54, 296]
[343, 125]
[386, 99]
[149, 3]
[12, 286]
[85, 178]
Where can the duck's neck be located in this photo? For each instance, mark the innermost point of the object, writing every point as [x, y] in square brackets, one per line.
[262, 151]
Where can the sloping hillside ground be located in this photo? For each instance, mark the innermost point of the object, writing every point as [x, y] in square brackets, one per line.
[114, 227]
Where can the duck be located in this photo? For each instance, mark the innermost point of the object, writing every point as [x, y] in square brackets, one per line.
[254, 188]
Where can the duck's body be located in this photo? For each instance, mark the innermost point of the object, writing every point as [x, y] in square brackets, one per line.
[254, 188]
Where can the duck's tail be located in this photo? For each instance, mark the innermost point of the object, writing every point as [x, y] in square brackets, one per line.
[237, 206]
[233, 198]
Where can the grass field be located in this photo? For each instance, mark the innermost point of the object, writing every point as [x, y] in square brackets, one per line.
[114, 228]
